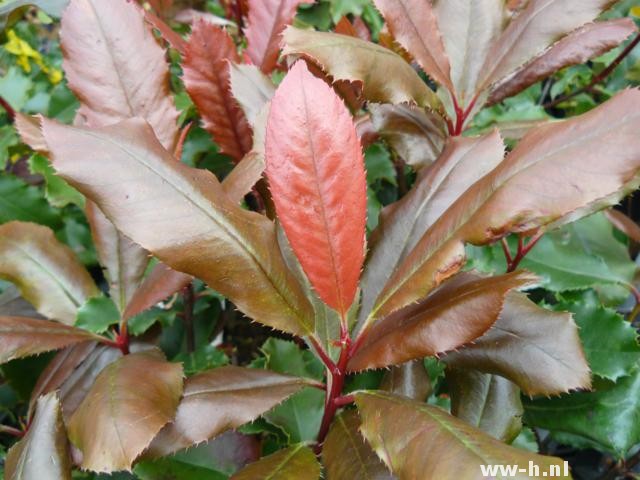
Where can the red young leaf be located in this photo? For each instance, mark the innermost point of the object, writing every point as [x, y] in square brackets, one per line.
[206, 77]
[266, 21]
[316, 173]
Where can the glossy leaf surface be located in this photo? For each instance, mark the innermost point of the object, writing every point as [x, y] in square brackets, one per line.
[251, 88]
[409, 380]
[526, 335]
[125, 409]
[413, 24]
[347, 455]
[45, 271]
[219, 400]
[587, 42]
[43, 453]
[23, 336]
[233, 250]
[527, 191]
[293, 463]
[455, 314]
[402, 433]
[116, 68]
[352, 59]
[488, 402]
[265, 23]
[402, 224]
[316, 176]
[206, 78]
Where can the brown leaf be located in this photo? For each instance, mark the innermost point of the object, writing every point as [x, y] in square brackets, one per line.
[265, 23]
[346, 455]
[554, 176]
[206, 78]
[402, 224]
[417, 440]
[24, 336]
[317, 180]
[469, 28]
[161, 283]
[586, 42]
[116, 68]
[414, 26]
[488, 402]
[46, 272]
[297, 462]
[13, 305]
[540, 24]
[244, 176]
[125, 409]
[409, 380]
[124, 262]
[43, 453]
[28, 128]
[352, 59]
[417, 135]
[251, 88]
[173, 38]
[623, 223]
[527, 335]
[182, 216]
[457, 313]
[222, 399]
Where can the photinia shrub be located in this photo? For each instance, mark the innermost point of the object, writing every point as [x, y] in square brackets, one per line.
[288, 239]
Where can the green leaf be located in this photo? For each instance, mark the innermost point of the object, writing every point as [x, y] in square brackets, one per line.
[57, 191]
[378, 164]
[203, 358]
[8, 139]
[416, 440]
[610, 343]
[297, 462]
[19, 201]
[172, 469]
[43, 453]
[300, 415]
[15, 87]
[120, 415]
[97, 314]
[605, 419]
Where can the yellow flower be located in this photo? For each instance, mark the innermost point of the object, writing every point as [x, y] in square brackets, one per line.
[26, 54]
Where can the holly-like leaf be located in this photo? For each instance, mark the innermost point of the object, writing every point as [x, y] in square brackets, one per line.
[131, 400]
[417, 440]
[43, 453]
[526, 335]
[183, 217]
[469, 28]
[265, 23]
[413, 24]
[605, 418]
[540, 24]
[123, 260]
[352, 59]
[20, 201]
[116, 67]
[316, 176]
[409, 380]
[297, 462]
[219, 400]
[586, 42]
[46, 272]
[206, 78]
[488, 402]
[98, 314]
[441, 322]
[24, 336]
[343, 442]
[417, 135]
[160, 284]
[554, 176]
[463, 162]
[610, 343]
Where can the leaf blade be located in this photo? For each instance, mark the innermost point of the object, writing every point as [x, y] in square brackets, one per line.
[294, 462]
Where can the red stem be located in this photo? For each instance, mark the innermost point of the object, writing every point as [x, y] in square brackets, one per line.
[344, 400]
[461, 116]
[12, 431]
[523, 250]
[11, 113]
